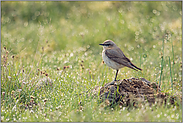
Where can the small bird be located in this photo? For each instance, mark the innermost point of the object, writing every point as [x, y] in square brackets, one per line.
[115, 58]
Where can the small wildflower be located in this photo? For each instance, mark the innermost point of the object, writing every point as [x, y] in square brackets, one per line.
[45, 100]
[80, 108]
[19, 90]
[79, 103]
[13, 92]
[31, 111]
[32, 97]
[24, 83]
[37, 73]
[3, 93]
[31, 101]
[9, 77]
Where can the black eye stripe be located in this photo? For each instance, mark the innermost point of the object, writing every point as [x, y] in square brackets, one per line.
[107, 44]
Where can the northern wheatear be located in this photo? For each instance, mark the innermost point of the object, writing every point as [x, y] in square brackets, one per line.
[115, 58]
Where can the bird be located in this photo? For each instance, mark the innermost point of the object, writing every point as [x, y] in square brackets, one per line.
[114, 57]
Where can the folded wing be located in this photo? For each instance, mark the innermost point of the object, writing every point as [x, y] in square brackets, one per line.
[118, 56]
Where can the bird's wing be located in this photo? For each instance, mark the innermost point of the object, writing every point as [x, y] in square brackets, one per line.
[118, 56]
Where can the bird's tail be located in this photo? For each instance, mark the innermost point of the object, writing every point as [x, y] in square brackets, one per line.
[136, 67]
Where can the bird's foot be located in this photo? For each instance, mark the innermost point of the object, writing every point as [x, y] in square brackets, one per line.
[112, 83]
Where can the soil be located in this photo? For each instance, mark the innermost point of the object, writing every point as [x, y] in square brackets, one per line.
[132, 92]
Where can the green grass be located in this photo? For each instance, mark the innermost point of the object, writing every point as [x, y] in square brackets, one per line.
[59, 40]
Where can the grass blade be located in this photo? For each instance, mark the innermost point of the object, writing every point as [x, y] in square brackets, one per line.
[171, 74]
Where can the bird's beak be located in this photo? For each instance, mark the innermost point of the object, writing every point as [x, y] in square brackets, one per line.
[102, 44]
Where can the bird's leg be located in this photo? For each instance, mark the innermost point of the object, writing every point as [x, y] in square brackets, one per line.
[116, 75]
[112, 83]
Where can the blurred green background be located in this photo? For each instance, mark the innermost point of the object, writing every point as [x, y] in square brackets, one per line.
[61, 39]
[69, 25]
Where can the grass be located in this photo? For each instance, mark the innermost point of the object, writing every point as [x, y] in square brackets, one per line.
[50, 55]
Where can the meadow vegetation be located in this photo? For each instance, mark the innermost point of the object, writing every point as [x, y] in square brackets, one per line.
[50, 55]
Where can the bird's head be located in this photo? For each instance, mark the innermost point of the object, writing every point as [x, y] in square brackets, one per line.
[108, 44]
